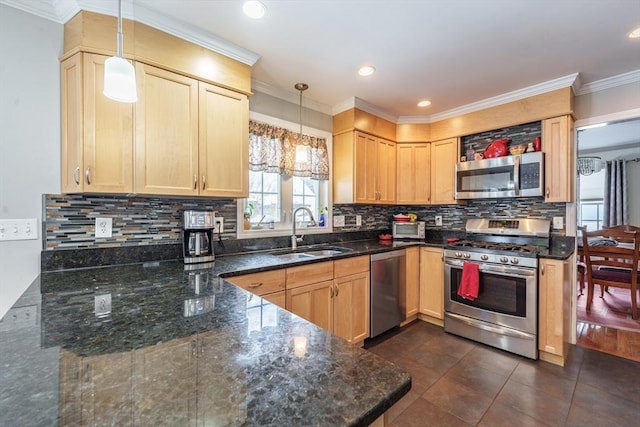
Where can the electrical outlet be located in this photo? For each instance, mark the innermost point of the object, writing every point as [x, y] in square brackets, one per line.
[218, 224]
[18, 229]
[439, 220]
[102, 305]
[359, 220]
[558, 223]
[104, 227]
[338, 221]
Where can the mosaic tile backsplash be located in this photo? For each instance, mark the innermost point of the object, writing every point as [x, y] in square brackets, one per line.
[69, 220]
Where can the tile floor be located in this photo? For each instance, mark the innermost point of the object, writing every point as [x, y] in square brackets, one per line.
[457, 382]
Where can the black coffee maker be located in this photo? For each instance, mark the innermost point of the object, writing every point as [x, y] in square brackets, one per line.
[197, 237]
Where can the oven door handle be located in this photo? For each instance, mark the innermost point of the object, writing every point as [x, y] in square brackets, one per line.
[504, 270]
[492, 328]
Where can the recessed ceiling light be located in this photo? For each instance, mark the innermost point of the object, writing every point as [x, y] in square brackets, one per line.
[635, 34]
[367, 70]
[254, 9]
[424, 103]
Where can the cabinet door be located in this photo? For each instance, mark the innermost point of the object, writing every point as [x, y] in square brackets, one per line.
[386, 171]
[366, 147]
[559, 163]
[431, 282]
[166, 133]
[412, 294]
[553, 306]
[223, 142]
[308, 274]
[313, 303]
[165, 382]
[444, 155]
[277, 298]
[97, 132]
[351, 307]
[413, 181]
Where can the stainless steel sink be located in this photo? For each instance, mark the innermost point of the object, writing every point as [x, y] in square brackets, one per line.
[312, 252]
[294, 255]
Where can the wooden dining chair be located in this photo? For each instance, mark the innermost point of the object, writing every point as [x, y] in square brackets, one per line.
[611, 256]
[625, 227]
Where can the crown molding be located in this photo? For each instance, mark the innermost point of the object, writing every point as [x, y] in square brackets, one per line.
[44, 9]
[292, 97]
[363, 105]
[345, 105]
[610, 82]
[515, 95]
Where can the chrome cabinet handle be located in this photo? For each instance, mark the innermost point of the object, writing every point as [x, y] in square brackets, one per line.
[331, 292]
[337, 290]
[542, 269]
[75, 175]
[547, 192]
[255, 285]
[87, 177]
[204, 180]
[195, 182]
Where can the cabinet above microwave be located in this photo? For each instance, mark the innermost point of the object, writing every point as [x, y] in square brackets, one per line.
[501, 177]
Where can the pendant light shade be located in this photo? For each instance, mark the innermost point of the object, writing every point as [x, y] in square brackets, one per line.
[119, 74]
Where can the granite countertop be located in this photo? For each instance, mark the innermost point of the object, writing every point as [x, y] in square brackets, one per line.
[181, 347]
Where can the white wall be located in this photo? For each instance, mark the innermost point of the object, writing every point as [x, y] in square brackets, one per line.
[29, 137]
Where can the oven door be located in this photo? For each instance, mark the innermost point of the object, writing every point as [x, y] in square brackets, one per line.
[507, 295]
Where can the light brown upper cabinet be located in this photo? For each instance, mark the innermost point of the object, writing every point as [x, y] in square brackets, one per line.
[364, 169]
[191, 136]
[414, 174]
[559, 159]
[223, 142]
[444, 155]
[97, 132]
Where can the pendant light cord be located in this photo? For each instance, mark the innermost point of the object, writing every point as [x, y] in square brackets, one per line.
[119, 37]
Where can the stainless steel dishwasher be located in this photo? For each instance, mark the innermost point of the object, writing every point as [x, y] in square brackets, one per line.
[388, 276]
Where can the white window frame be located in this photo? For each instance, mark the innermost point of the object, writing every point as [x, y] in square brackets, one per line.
[241, 233]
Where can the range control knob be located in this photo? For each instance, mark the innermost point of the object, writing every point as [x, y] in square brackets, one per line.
[467, 255]
[458, 254]
[504, 259]
[484, 257]
[515, 260]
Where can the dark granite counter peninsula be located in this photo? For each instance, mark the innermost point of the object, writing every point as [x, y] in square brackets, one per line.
[179, 348]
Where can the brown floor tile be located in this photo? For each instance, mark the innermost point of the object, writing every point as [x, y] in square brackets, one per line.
[421, 375]
[538, 376]
[449, 345]
[617, 376]
[405, 402]
[463, 402]
[500, 415]
[534, 403]
[492, 359]
[477, 378]
[602, 406]
[422, 413]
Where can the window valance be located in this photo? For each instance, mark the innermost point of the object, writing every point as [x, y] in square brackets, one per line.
[278, 150]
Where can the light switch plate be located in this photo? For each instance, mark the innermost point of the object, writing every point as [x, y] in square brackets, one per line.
[18, 229]
[338, 221]
[558, 223]
[104, 227]
[358, 220]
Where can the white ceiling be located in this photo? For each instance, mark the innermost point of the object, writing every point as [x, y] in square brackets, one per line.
[457, 53]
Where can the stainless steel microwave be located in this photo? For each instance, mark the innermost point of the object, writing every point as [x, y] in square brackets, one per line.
[507, 176]
[408, 230]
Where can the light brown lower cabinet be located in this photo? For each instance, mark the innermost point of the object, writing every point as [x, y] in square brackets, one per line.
[269, 285]
[313, 302]
[412, 293]
[554, 305]
[432, 285]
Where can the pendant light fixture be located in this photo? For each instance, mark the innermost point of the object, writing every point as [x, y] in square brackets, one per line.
[119, 74]
[301, 150]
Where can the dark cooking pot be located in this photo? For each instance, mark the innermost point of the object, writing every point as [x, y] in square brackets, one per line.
[497, 148]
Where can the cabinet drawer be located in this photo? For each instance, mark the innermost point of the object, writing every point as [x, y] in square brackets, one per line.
[345, 267]
[261, 283]
[307, 274]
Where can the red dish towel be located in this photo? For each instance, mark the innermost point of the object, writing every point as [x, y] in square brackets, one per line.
[468, 288]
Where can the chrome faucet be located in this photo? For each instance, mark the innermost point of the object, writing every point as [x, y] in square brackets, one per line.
[294, 238]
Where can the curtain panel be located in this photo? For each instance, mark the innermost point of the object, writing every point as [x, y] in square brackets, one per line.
[278, 150]
[616, 205]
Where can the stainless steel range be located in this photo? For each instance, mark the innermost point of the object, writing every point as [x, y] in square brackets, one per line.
[502, 310]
